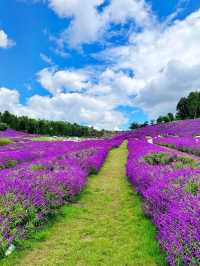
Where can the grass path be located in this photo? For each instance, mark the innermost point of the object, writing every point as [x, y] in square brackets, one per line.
[106, 226]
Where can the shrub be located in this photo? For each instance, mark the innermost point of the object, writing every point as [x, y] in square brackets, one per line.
[159, 158]
[186, 162]
[166, 158]
[192, 187]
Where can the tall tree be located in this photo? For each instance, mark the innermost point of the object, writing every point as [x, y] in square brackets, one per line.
[170, 116]
[182, 108]
[189, 107]
[193, 102]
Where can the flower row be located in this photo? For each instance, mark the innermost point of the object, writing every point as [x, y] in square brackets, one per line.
[169, 184]
[36, 187]
[185, 144]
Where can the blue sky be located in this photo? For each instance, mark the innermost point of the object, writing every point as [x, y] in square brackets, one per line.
[101, 63]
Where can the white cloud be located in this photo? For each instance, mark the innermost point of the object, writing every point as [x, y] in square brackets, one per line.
[95, 95]
[62, 80]
[46, 59]
[165, 61]
[162, 94]
[76, 107]
[112, 87]
[5, 42]
[72, 107]
[9, 99]
[88, 24]
[119, 11]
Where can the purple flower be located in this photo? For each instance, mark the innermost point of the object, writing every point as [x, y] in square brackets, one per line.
[171, 197]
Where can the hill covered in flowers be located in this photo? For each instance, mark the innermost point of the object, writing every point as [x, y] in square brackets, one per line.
[166, 173]
[181, 128]
[37, 177]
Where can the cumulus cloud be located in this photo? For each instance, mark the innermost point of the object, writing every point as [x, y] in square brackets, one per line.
[113, 87]
[119, 11]
[94, 96]
[63, 80]
[165, 61]
[161, 56]
[76, 107]
[12, 95]
[161, 94]
[5, 42]
[72, 107]
[158, 64]
[88, 24]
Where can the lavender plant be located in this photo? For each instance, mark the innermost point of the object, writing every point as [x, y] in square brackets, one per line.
[171, 197]
[36, 178]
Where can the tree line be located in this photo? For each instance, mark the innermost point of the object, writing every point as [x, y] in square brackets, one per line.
[187, 108]
[46, 127]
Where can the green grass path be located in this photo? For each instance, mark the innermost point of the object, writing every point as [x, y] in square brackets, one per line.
[106, 226]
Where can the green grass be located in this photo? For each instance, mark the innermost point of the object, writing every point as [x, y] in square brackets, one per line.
[5, 141]
[104, 226]
[47, 138]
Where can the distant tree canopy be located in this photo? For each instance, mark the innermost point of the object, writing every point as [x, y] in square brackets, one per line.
[189, 107]
[3, 126]
[45, 127]
[164, 119]
[136, 125]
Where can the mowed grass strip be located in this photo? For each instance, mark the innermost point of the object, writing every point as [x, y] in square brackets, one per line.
[5, 141]
[47, 138]
[106, 226]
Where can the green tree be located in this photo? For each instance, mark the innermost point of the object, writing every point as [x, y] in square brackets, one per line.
[170, 116]
[193, 103]
[189, 107]
[159, 119]
[45, 127]
[182, 108]
[134, 125]
[3, 126]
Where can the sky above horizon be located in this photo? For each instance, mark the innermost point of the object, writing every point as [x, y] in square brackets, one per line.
[103, 63]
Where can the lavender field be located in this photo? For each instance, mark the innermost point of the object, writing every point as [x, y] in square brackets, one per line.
[99, 133]
[37, 178]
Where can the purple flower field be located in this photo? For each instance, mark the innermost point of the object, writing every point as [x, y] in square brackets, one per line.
[185, 144]
[169, 184]
[184, 128]
[36, 178]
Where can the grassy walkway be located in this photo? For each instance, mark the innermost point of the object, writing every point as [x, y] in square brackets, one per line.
[105, 227]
